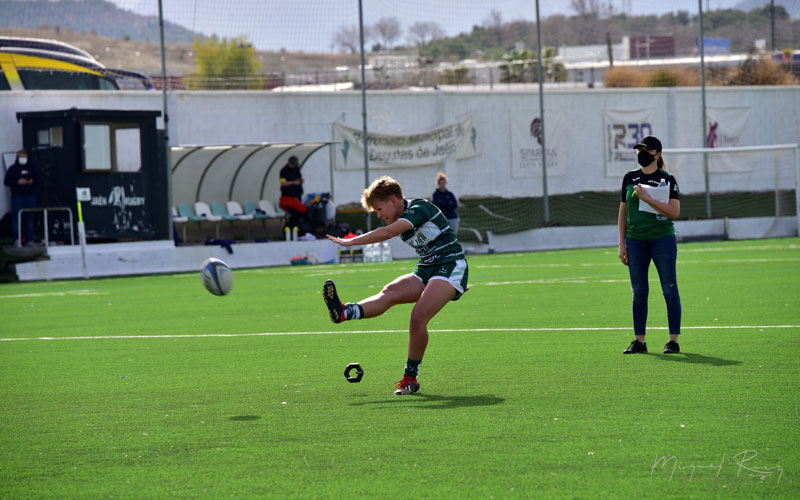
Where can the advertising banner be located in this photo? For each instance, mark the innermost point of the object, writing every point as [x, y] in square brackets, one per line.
[526, 143]
[454, 141]
[728, 128]
[622, 131]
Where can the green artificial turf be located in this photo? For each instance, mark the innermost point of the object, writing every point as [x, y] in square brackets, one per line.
[525, 391]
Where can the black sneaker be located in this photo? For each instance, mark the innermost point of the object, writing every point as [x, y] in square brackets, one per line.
[636, 347]
[335, 306]
[672, 347]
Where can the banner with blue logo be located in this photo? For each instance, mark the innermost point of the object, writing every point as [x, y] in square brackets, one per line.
[623, 129]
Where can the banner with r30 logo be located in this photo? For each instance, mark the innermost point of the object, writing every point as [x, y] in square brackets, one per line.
[622, 131]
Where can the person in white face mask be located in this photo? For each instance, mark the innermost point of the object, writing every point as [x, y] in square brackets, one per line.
[23, 180]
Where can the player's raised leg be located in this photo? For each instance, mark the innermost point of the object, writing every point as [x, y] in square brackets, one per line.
[403, 290]
[406, 289]
[436, 294]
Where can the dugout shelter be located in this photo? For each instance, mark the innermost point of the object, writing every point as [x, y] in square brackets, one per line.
[247, 174]
[117, 154]
[233, 172]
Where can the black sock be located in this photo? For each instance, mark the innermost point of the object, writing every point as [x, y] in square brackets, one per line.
[353, 310]
[412, 368]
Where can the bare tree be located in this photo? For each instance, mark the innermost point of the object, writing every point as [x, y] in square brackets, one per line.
[592, 8]
[494, 23]
[418, 34]
[422, 33]
[347, 39]
[387, 30]
[583, 7]
[607, 10]
[437, 32]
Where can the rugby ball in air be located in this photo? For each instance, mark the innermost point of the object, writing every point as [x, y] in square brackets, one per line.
[217, 276]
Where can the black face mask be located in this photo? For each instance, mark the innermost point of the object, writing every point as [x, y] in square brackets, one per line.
[644, 158]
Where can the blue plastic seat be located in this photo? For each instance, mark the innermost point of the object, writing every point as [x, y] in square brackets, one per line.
[219, 209]
[251, 208]
[186, 210]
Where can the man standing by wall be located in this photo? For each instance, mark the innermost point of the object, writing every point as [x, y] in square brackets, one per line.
[23, 179]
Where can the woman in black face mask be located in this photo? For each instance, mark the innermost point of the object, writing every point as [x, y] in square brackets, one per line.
[649, 203]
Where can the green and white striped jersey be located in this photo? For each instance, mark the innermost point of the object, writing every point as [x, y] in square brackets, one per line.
[431, 235]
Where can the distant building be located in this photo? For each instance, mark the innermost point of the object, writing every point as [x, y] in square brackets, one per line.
[661, 46]
[393, 61]
[716, 46]
[589, 63]
[593, 53]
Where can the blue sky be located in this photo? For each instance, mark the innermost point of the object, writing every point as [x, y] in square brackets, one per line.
[309, 25]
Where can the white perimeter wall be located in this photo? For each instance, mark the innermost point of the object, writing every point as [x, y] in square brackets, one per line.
[253, 117]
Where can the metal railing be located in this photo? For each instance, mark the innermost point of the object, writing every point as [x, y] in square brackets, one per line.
[46, 232]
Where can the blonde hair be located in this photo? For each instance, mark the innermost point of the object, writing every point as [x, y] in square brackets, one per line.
[440, 176]
[381, 189]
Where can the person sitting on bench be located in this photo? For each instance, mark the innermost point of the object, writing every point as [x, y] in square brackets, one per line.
[291, 199]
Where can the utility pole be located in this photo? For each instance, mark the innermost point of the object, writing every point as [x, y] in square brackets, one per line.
[772, 22]
[702, 49]
[164, 84]
[364, 107]
[540, 75]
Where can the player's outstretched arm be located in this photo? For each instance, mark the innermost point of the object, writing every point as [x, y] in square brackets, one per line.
[375, 236]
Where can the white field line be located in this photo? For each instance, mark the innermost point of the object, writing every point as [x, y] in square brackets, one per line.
[79, 293]
[616, 263]
[447, 330]
[748, 248]
[556, 281]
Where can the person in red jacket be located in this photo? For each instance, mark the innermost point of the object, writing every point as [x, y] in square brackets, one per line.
[291, 200]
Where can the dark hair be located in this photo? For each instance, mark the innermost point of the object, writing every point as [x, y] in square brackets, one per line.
[294, 161]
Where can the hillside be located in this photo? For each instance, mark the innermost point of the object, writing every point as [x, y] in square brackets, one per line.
[122, 39]
[145, 57]
[791, 6]
[88, 16]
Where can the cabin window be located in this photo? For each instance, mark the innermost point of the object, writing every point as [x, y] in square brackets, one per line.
[50, 137]
[112, 147]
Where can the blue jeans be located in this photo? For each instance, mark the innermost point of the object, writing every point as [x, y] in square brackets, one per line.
[454, 224]
[663, 252]
[18, 203]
